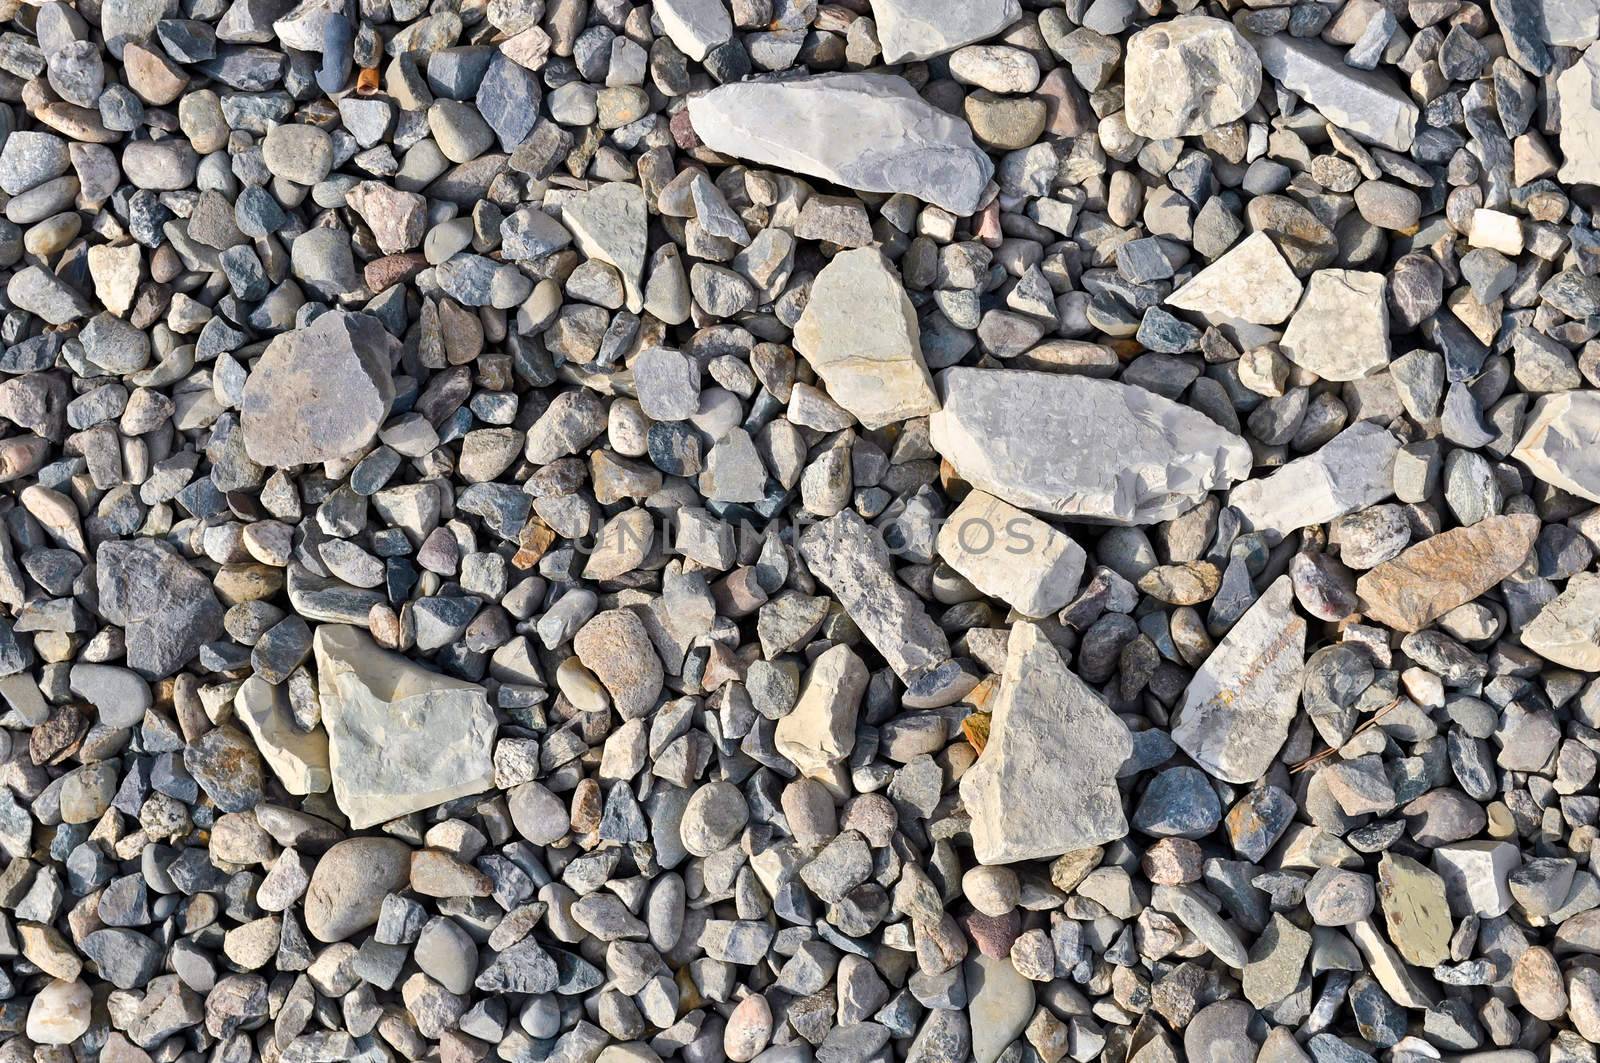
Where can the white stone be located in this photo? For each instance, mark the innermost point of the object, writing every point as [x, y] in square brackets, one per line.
[1353, 470]
[1571, 23]
[60, 1013]
[1474, 874]
[1567, 629]
[1496, 229]
[921, 29]
[1080, 447]
[1251, 283]
[1367, 103]
[695, 26]
[401, 738]
[859, 332]
[821, 731]
[299, 758]
[1341, 329]
[1000, 1003]
[1236, 711]
[1561, 442]
[1011, 555]
[609, 223]
[1045, 720]
[870, 132]
[1578, 89]
[1187, 76]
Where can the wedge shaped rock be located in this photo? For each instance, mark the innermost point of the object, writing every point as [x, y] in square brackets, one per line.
[1251, 283]
[1351, 471]
[1365, 102]
[860, 333]
[1579, 90]
[921, 29]
[1080, 447]
[1561, 443]
[1236, 711]
[1431, 578]
[1567, 629]
[1044, 723]
[609, 223]
[319, 393]
[167, 609]
[400, 737]
[870, 132]
[1011, 555]
[299, 758]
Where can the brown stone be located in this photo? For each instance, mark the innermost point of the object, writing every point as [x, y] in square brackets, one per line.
[1447, 570]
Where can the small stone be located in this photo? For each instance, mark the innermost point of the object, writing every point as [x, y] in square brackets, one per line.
[1012, 555]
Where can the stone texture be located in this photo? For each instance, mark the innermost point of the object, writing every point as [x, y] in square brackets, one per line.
[1559, 442]
[1341, 329]
[1449, 569]
[865, 131]
[1235, 713]
[1251, 283]
[1353, 470]
[1367, 103]
[1044, 717]
[166, 608]
[921, 29]
[400, 737]
[860, 333]
[1012, 555]
[1189, 75]
[1080, 447]
[1567, 629]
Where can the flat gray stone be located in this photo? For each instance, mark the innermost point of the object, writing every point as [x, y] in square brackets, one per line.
[921, 29]
[1353, 470]
[1365, 102]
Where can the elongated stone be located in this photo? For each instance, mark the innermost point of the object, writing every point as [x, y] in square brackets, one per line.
[1567, 629]
[1011, 555]
[921, 29]
[1561, 443]
[1353, 470]
[1081, 447]
[1367, 103]
[821, 731]
[860, 333]
[1251, 283]
[299, 758]
[1044, 719]
[866, 131]
[400, 737]
[1236, 711]
[852, 561]
[1415, 909]
[1446, 570]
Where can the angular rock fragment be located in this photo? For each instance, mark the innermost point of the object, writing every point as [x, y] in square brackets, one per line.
[860, 333]
[1235, 713]
[1044, 719]
[1012, 555]
[608, 224]
[852, 561]
[1340, 331]
[400, 737]
[298, 758]
[695, 26]
[166, 608]
[1446, 570]
[821, 731]
[1559, 442]
[1365, 102]
[865, 131]
[319, 393]
[921, 29]
[1080, 447]
[1567, 629]
[1188, 76]
[1250, 283]
[1351, 471]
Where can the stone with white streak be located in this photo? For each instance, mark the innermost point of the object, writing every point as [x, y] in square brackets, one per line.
[401, 738]
[1081, 447]
[695, 26]
[1251, 283]
[1567, 629]
[860, 333]
[1353, 470]
[1341, 329]
[1561, 443]
[1044, 718]
[870, 132]
[852, 561]
[1236, 711]
[1188, 76]
[1367, 103]
[1011, 555]
[921, 29]
[821, 731]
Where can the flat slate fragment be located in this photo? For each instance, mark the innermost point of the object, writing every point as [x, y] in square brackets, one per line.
[1446, 570]
[1353, 470]
[921, 29]
[1080, 447]
[870, 132]
[1367, 103]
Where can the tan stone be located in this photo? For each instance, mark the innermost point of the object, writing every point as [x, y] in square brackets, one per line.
[1449, 569]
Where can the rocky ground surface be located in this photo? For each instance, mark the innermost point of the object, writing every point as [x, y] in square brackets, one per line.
[582, 531]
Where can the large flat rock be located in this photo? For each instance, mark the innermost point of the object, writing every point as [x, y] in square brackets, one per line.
[1251, 283]
[1080, 447]
[1561, 442]
[1369, 104]
[401, 738]
[1567, 629]
[1353, 470]
[870, 132]
[921, 29]
[1045, 722]
[1431, 578]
